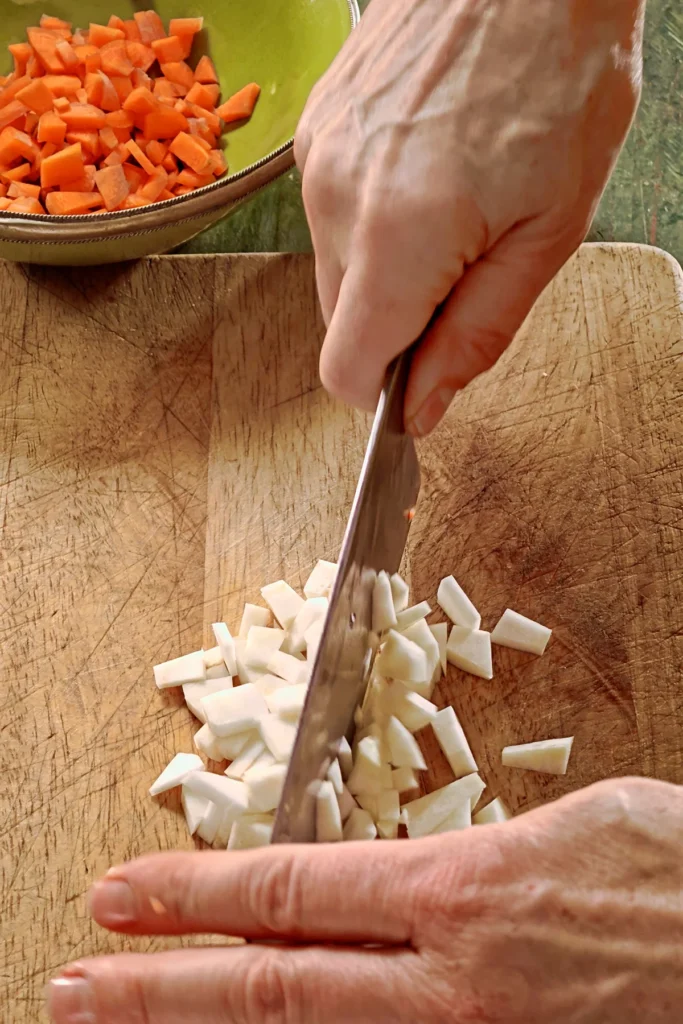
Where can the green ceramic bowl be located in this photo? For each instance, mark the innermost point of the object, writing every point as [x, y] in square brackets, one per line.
[284, 45]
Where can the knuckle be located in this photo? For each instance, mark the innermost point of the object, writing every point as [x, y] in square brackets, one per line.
[275, 897]
[319, 184]
[272, 989]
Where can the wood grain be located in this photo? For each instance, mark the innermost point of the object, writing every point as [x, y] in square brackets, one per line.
[554, 486]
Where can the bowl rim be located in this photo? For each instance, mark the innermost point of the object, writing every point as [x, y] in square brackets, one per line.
[49, 229]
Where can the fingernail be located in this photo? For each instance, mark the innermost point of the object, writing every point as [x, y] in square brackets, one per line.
[430, 412]
[70, 1001]
[113, 901]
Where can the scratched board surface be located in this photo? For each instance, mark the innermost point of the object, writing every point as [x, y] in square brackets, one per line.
[554, 486]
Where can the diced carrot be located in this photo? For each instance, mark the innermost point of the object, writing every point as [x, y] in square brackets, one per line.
[65, 165]
[78, 39]
[110, 97]
[214, 93]
[94, 88]
[84, 117]
[205, 72]
[64, 204]
[22, 53]
[12, 113]
[135, 176]
[179, 73]
[168, 50]
[170, 163]
[116, 22]
[172, 179]
[156, 151]
[193, 180]
[212, 119]
[3, 191]
[5, 203]
[90, 57]
[15, 145]
[67, 55]
[62, 85]
[199, 130]
[86, 182]
[50, 22]
[120, 119]
[24, 204]
[150, 24]
[115, 59]
[166, 194]
[44, 43]
[115, 158]
[140, 101]
[182, 190]
[135, 201]
[101, 34]
[19, 173]
[48, 149]
[108, 139]
[31, 122]
[34, 69]
[164, 123]
[155, 185]
[9, 92]
[122, 85]
[130, 27]
[36, 96]
[141, 80]
[23, 188]
[219, 164]
[112, 185]
[165, 89]
[185, 26]
[141, 158]
[90, 141]
[140, 55]
[200, 95]
[240, 106]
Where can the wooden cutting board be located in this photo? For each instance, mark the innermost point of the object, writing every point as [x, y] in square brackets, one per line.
[127, 464]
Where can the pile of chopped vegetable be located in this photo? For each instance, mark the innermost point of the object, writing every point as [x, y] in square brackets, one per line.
[249, 690]
[111, 118]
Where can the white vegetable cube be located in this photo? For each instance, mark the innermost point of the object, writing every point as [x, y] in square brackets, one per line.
[411, 709]
[313, 610]
[312, 637]
[457, 605]
[250, 832]
[345, 758]
[453, 743]
[279, 736]
[426, 813]
[459, 818]
[283, 601]
[369, 774]
[470, 650]
[402, 659]
[404, 779]
[265, 787]
[216, 672]
[403, 747]
[245, 672]
[287, 701]
[521, 634]
[194, 693]
[440, 633]
[328, 821]
[387, 829]
[383, 613]
[359, 826]
[206, 741]
[231, 747]
[492, 814]
[335, 777]
[253, 615]
[229, 794]
[548, 756]
[213, 658]
[288, 667]
[175, 772]
[388, 806]
[420, 633]
[264, 760]
[400, 592]
[189, 668]
[346, 803]
[321, 580]
[246, 757]
[225, 641]
[261, 644]
[194, 808]
[224, 830]
[411, 615]
[232, 711]
[210, 822]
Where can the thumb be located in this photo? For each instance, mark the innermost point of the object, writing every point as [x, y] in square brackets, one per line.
[477, 323]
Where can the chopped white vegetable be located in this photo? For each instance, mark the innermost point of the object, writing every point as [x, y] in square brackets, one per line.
[232, 711]
[261, 644]
[345, 757]
[402, 659]
[405, 752]
[359, 826]
[404, 779]
[287, 701]
[388, 808]
[213, 658]
[216, 672]
[420, 633]
[369, 773]
[470, 650]
[210, 822]
[313, 610]
[189, 668]
[225, 641]
[253, 615]
[459, 818]
[453, 743]
[288, 667]
[426, 813]
[335, 777]
[383, 613]
[175, 772]
[224, 831]
[268, 684]
[406, 618]
[195, 808]
[279, 736]
[413, 710]
[265, 787]
[400, 592]
[231, 795]
[548, 756]
[246, 758]
[492, 814]
[346, 803]
[245, 672]
[312, 637]
[321, 580]
[369, 803]
[440, 633]
[251, 831]
[195, 692]
[264, 760]
[327, 814]
[283, 601]
[457, 605]
[522, 634]
[206, 741]
[387, 829]
[231, 747]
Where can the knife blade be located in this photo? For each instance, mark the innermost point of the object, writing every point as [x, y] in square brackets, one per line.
[375, 539]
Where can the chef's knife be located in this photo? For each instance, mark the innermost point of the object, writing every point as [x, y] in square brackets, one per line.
[375, 539]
